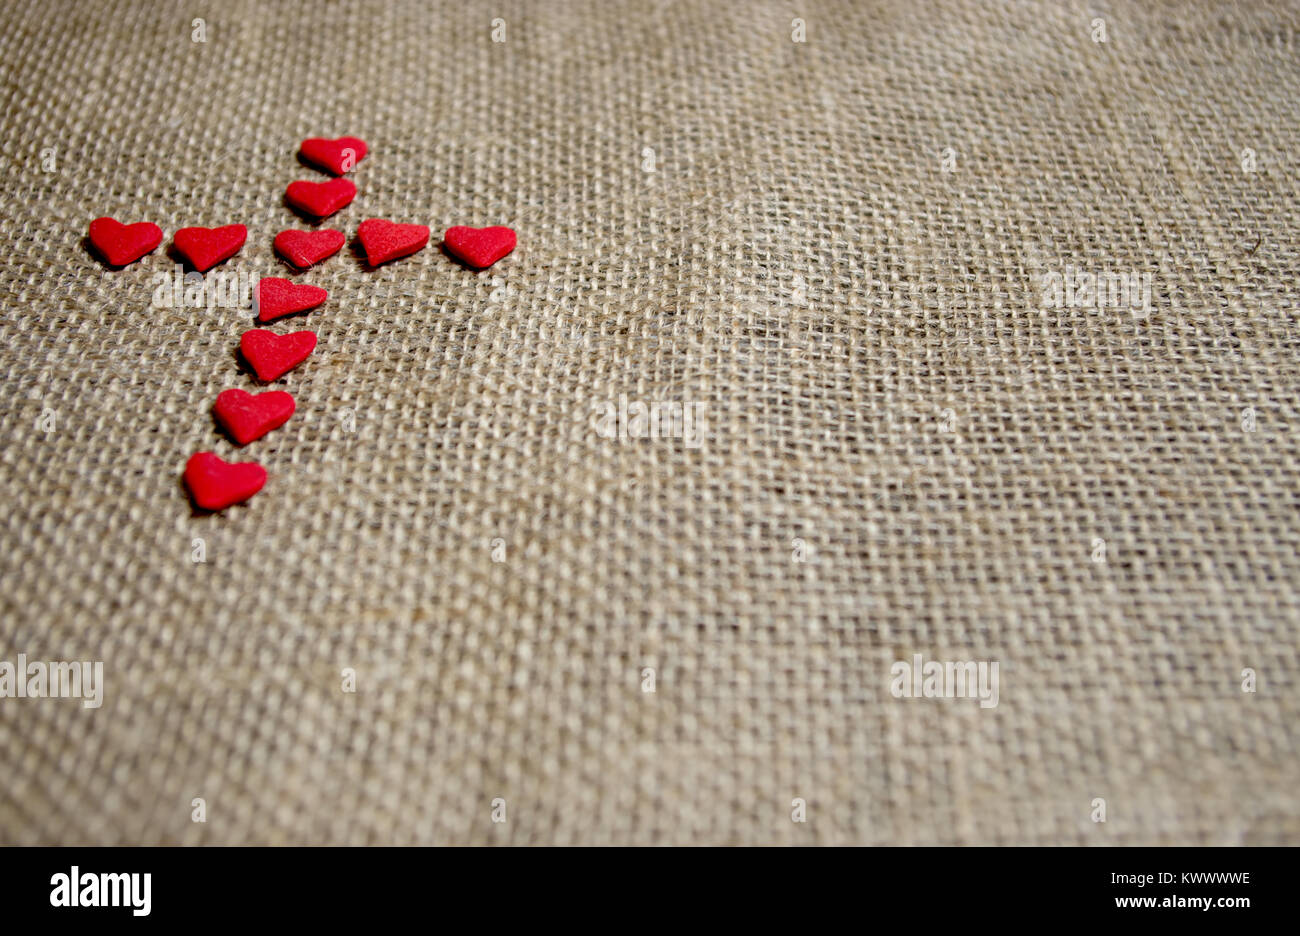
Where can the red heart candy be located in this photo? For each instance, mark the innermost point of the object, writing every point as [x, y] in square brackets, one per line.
[321, 199]
[247, 416]
[271, 355]
[384, 240]
[204, 248]
[338, 156]
[274, 297]
[479, 247]
[304, 248]
[215, 484]
[120, 243]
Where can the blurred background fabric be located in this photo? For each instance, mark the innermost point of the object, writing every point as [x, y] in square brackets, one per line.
[829, 229]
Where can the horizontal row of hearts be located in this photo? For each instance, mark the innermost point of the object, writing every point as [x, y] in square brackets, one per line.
[381, 240]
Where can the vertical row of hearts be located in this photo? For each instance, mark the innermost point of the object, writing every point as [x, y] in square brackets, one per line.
[213, 483]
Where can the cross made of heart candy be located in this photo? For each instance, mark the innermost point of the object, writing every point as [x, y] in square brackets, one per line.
[214, 483]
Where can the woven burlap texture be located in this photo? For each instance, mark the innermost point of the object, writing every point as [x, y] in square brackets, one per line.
[837, 248]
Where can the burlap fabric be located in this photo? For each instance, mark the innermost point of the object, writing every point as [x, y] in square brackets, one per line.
[837, 248]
